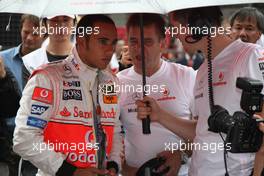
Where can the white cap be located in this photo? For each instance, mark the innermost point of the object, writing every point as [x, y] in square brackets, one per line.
[71, 16]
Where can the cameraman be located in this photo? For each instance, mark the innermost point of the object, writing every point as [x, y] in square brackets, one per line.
[231, 59]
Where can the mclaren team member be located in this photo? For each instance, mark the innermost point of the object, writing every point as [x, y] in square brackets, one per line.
[64, 112]
[231, 59]
[175, 94]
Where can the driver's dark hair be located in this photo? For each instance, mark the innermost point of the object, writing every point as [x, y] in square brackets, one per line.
[88, 21]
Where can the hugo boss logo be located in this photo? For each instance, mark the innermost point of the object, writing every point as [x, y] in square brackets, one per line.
[71, 94]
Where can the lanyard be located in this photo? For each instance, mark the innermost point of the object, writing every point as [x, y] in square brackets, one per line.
[99, 133]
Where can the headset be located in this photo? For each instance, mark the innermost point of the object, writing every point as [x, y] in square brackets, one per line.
[200, 18]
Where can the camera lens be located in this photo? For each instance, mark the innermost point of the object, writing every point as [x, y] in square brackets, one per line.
[220, 120]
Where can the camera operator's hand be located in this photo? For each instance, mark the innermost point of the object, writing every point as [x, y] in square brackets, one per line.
[2, 69]
[261, 124]
[153, 109]
[90, 172]
[172, 160]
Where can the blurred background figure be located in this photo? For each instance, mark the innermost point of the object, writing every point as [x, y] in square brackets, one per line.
[247, 24]
[176, 53]
[30, 41]
[125, 59]
[114, 66]
[58, 47]
[13, 64]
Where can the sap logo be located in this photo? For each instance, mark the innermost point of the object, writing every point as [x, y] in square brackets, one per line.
[72, 94]
[38, 110]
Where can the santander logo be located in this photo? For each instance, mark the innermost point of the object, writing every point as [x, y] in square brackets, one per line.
[65, 112]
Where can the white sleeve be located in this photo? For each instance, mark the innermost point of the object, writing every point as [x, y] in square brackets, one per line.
[36, 106]
[254, 67]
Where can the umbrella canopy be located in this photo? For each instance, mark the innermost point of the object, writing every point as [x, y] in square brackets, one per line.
[44, 8]
[171, 5]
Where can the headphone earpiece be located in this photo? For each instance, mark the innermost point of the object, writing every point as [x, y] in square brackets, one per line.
[201, 19]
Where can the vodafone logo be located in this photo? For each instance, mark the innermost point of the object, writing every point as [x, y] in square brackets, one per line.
[83, 158]
[221, 80]
[89, 137]
[166, 92]
[42, 95]
[221, 76]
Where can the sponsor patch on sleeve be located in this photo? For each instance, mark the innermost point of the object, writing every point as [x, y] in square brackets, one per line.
[110, 99]
[36, 122]
[38, 110]
[42, 95]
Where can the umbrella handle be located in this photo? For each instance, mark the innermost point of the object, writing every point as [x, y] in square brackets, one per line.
[146, 125]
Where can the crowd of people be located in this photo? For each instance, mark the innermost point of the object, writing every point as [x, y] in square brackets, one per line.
[61, 113]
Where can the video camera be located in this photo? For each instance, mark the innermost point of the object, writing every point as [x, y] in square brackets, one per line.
[241, 129]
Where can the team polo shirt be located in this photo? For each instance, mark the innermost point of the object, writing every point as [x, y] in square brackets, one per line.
[238, 59]
[174, 94]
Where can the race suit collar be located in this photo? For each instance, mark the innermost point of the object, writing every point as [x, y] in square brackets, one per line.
[82, 69]
[78, 63]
